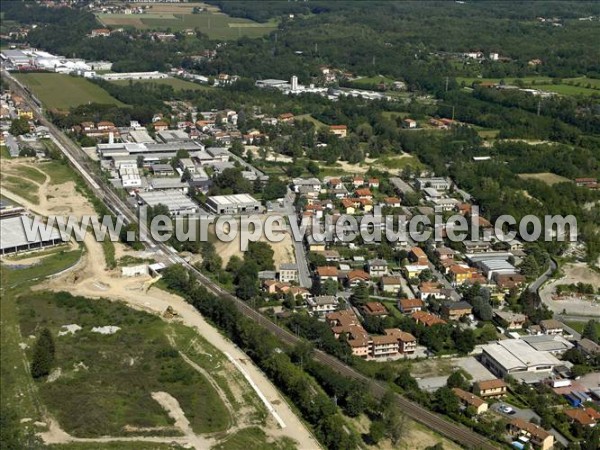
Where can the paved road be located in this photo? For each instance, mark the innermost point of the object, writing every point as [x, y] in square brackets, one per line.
[533, 287]
[304, 277]
[80, 161]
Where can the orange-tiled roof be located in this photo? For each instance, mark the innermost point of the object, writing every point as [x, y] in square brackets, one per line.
[338, 127]
[427, 319]
[400, 335]
[327, 271]
[358, 274]
[365, 192]
[491, 384]
[467, 397]
[409, 303]
[375, 309]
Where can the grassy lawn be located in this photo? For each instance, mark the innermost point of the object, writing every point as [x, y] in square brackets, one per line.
[308, 117]
[4, 153]
[17, 390]
[254, 437]
[369, 81]
[508, 80]
[584, 81]
[106, 380]
[22, 187]
[123, 445]
[58, 91]
[399, 162]
[566, 89]
[58, 172]
[176, 83]
[579, 326]
[546, 177]
[32, 174]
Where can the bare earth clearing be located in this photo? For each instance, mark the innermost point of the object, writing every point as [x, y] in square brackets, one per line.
[90, 278]
[573, 274]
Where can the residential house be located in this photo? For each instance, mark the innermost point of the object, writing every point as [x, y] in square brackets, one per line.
[413, 270]
[429, 320]
[410, 305]
[288, 272]
[384, 346]
[339, 130]
[286, 117]
[418, 256]
[314, 245]
[364, 193]
[358, 181]
[490, 388]
[349, 206]
[551, 326]
[374, 309]
[407, 343]
[365, 204]
[160, 126]
[461, 273]
[510, 320]
[433, 289]
[456, 310]
[327, 273]
[587, 417]
[392, 202]
[335, 183]
[346, 322]
[471, 400]
[322, 304]
[476, 246]
[508, 281]
[444, 253]
[409, 123]
[377, 267]
[356, 277]
[390, 285]
[374, 183]
[539, 437]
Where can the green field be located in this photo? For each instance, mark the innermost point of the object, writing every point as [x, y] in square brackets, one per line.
[508, 80]
[177, 83]
[308, 117]
[567, 89]
[179, 17]
[546, 177]
[369, 81]
[106, 380]
[58, 91]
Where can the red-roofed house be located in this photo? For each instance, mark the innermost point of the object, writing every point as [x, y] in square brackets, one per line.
[339, 130]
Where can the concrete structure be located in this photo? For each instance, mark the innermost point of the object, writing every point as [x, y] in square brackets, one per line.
[133, 76]
[438, 183]
[410, 305]
[515, 357]
[510, 320]
[456, 310]
[134, 271]
[234, 204]
[554, 344]
[14, 238]
[176, 201]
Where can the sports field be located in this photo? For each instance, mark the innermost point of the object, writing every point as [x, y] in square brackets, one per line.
[61, 92]
[176, 83]
[179, 17]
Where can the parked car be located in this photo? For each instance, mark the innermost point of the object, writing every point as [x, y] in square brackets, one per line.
[506, 409]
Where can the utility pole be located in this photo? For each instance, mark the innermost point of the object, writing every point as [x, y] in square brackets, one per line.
[452, 113]
[539, 107]
[447, 84]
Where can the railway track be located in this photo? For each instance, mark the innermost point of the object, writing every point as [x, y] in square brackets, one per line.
[457, 433]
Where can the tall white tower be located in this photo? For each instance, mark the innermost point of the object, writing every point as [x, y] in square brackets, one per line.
[294, 83]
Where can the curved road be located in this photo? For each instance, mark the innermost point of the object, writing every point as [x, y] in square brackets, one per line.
[81, 162]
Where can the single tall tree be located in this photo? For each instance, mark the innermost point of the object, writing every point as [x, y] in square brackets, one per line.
[43, 355]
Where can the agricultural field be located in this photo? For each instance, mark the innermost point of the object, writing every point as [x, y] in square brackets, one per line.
[61, 92]
[179, 17]
[176, 83]
[546, 177]
[569, 86]
[369, 81]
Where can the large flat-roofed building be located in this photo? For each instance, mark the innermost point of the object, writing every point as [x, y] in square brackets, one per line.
[437, 183]
[234, 204]
[176, 201]
[514, 357]
[14, 238]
